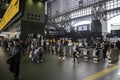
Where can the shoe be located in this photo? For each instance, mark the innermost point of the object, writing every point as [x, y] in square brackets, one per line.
[78, 61]
[73, 61]
[15, 78]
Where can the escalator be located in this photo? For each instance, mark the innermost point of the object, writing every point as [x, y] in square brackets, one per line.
[53, 29]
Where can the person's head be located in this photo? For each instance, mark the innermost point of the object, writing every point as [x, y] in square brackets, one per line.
[16, 42]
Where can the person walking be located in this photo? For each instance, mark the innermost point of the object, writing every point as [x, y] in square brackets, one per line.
[75, 52]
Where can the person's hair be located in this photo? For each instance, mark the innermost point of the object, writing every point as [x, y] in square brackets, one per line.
[16, 40]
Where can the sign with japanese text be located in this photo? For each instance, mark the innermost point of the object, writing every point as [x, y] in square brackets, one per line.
[12, 10]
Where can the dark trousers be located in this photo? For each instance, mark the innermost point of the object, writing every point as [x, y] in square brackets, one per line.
[17, 68]
[104, 54]
[74, 56]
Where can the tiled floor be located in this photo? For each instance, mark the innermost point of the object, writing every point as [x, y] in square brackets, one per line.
[52, 69]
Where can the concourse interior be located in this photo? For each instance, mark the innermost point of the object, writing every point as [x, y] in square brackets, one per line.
[59, 39]
[53, 69]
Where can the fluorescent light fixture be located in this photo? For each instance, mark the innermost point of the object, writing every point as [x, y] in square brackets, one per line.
[82, 23]
[5, 32]
[3, 35]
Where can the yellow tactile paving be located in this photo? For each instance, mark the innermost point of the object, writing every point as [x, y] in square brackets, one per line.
[102, 73]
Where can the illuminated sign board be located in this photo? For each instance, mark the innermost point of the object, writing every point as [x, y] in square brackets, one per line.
[12, 10]
[83, 28]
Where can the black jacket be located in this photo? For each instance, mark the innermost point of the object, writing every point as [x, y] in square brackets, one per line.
[15, 58]
[16, 53]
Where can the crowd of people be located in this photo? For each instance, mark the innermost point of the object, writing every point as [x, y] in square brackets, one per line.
[35, 50]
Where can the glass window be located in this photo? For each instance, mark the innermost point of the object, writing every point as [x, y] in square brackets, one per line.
[115, 12]
[119, 3]
[111, 7]
[112, 14]
[115, 5]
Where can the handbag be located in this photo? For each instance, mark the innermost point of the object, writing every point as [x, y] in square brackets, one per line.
[10, 61]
